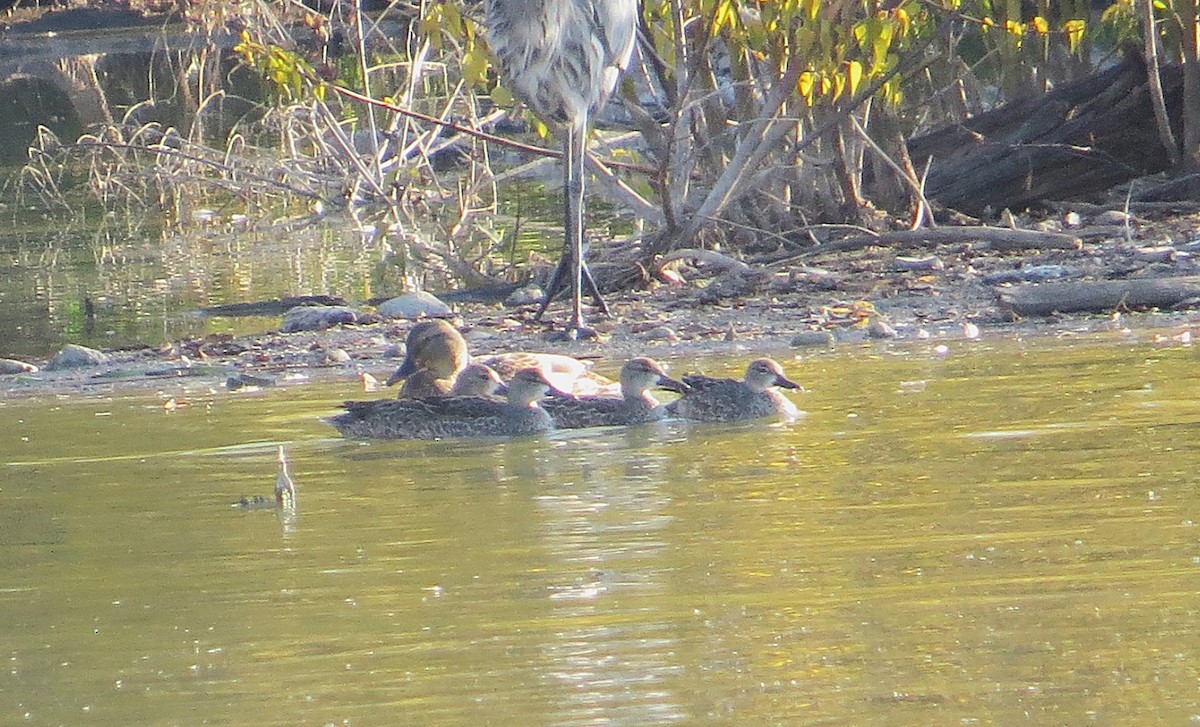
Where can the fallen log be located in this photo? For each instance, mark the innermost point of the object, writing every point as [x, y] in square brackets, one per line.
[1102, 296]
[1082, 138]
[998, 238]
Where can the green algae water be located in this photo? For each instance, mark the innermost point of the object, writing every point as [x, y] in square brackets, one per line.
[1004, 535]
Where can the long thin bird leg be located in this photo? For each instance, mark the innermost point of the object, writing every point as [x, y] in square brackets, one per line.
[573, 160]
[558, 283]
[572, 261]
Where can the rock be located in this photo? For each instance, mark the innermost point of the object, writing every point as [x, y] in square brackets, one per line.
[1031, 274]
[1113, 217]
[879, 328]
[1158, 254]
[318, 317]
[74, 356]
[919, 264]
[528, 295]
[414, 305]
[661, 333]
[739, 283]
[242, 380]
[813, 338]
[331, 357]
[12, 366]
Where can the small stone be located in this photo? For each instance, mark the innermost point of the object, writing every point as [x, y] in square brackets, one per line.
[813, 338]
[1071, 220]
[1031, 274]
[661, 333]
[242, 380]
[879, 328]
[528, 295]
[919, 264]
[1113, 217]
[336, 356]
[74, 356]
[317, 317]
[12, 366]
[414, 305]
[1158, 254]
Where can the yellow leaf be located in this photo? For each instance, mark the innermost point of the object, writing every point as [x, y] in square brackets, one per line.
[502, 97]
[1040, 26]
[805, 85]
[854, 74]
[475, 65]
[1075, 30]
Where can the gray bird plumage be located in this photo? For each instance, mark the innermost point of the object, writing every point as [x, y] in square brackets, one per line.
[729, 400]
[563, 58]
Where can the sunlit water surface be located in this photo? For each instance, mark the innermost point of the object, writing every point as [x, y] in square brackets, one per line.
[1004, 536]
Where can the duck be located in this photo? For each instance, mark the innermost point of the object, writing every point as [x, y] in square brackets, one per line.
[635, 406]
[432, 345]
[728, 400]
[435, 353]
[453, 416]
[478, 380]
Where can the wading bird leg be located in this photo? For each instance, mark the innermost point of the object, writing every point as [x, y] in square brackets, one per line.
[558, 284]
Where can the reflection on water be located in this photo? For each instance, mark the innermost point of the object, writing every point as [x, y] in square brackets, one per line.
[145, 287]
[1004, 536]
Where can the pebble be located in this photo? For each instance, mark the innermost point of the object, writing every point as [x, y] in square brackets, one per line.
[879, 328]
[1158, 254]
[335, 356]
[661, 333]
[75, 356]
[528, 295]
[418, 304]
[242, 380]
[813, 338]
[931, 262]
[12, 366]
[317, 317]
[1031, 274]
[1113, 217]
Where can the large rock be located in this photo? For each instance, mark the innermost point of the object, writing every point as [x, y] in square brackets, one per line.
[74, 356]
[12, 366]
[414, 305]
[318, 317]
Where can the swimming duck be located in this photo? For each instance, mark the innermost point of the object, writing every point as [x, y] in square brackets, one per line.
[636, 405]
[452, 416]
[727, 400]
[474, 380]
[436, 347]
[564, 372]
[478, 380]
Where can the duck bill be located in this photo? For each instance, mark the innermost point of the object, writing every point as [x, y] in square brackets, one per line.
[669, 384]
[501, 390]
[407, 368]
[787, 383]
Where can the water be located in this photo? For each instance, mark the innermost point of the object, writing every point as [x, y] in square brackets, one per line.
[1004, 536]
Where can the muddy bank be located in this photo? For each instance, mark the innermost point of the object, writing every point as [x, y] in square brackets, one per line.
[792, 306]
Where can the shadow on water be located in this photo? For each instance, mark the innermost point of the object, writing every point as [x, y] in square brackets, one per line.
[1007, 534]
